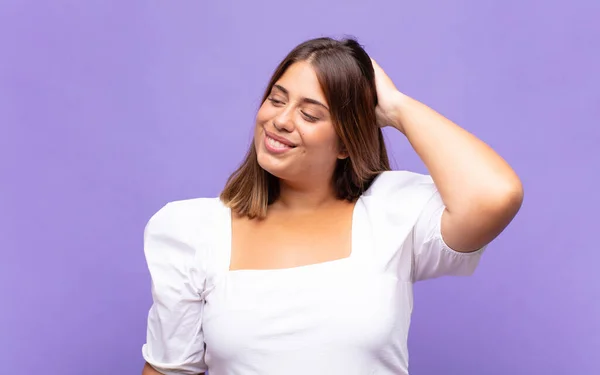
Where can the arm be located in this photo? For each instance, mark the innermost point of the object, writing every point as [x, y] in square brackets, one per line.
[148, 370]
[174, 339]
[481, 192]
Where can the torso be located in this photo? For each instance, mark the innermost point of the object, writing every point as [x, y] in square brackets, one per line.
[304, 293]
[320, 293]
[328, 292]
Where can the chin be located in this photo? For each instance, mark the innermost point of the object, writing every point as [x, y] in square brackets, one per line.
[277, 168]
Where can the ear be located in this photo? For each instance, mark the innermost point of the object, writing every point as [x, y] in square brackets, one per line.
[343, 154]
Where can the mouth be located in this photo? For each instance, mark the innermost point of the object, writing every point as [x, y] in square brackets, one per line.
[277, 144]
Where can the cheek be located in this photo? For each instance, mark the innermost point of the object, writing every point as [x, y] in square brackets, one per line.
[265, 113]
[322, 138]
[262, 116]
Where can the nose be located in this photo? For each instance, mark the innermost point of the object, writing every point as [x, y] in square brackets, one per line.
[284, 121]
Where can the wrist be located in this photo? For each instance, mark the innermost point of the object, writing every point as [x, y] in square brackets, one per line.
[398, 103]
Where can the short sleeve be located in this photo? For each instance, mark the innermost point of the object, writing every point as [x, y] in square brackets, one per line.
[432, 257]
[174, 340]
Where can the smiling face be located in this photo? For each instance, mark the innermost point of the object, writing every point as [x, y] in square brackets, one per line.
[294, 137]
[321, 95]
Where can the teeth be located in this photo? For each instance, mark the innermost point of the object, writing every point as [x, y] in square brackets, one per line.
[276, 143]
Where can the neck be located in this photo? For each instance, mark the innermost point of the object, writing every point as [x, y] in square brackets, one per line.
[305, 197]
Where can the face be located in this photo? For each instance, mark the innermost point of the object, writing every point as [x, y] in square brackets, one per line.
[294, 136]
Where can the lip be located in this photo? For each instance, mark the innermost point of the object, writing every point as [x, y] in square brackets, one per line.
[280, 139]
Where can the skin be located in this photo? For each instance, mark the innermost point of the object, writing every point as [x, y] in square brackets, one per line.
[148, 370]
[307, 224]
[481, 192]
[291, 112]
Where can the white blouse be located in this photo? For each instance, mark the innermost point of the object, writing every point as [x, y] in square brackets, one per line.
[349, 316]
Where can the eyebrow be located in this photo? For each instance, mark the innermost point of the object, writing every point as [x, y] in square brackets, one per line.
[306, 100]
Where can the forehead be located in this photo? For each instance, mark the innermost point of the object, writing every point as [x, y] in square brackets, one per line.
[300, 80]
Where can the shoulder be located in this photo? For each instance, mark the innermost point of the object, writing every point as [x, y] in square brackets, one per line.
[391, 186]
[178, 239]
[397, 198]
[184, 221]
[182, 214]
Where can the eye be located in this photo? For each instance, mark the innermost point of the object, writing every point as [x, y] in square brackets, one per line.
[309, 118]
[275, 102]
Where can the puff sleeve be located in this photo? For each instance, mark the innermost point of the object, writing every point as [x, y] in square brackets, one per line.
[174, 339]
[432, 257]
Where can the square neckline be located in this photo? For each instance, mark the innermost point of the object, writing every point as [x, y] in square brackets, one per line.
[228, 248]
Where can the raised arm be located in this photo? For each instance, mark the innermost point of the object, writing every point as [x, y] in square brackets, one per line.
[480, 191]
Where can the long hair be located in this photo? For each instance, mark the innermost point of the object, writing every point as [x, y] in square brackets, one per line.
[347, 78]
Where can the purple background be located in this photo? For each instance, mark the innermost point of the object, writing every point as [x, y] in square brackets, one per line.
[110, 109]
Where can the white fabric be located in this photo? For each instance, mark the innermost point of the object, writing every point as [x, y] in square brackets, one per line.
[349, 316]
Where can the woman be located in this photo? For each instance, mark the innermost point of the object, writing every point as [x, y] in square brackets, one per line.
[305, 263]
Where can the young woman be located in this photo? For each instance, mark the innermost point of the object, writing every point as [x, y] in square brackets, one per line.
[305, 263]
